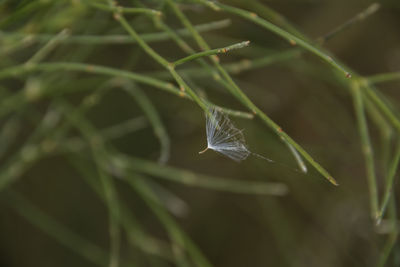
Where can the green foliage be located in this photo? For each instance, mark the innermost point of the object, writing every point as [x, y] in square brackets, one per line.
[109, 98]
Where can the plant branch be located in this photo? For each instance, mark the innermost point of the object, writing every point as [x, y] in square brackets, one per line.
[211, 52]
[366, 148]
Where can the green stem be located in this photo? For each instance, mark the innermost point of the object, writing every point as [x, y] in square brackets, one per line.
[389, 182]
[154, 118]
[189, 178]
[46, 49]
[99, 155]
[271, 14]
[112, 39]
[181, 242]
[183, 86]
[206, 68]
[382, 106]
[127, 10]
[136, 235]
[392, 238]
[359, 17]
[286, 35]
[237, 67]
[366, 148]
[211, 52]
[384, 77]
[89, 68]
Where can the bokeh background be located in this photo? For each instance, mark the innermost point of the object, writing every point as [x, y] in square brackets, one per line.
[314, 224]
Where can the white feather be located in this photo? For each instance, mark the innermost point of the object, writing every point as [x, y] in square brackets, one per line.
[224, 137]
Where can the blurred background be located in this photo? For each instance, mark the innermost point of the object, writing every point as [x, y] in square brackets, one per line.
[102, 168]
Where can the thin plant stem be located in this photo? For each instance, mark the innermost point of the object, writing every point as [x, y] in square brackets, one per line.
[284, 34]
[191, 179]
[152, 114]
[99, 154]
[22, 12]
[181, 241]
[111, 39]
[389, 181]
[28, 154]
[182, 85]
[15, 101]
[208, 69]
[229, 85]
[127, 10]
[211, 52]
[238, 67]
[136, 234]
[272, 15]
[76, 144]
[89, 68]
[393, 235]
[210, 4]
[382, 106]
[383, 77]
[232, 112]
[366, 148]
[46, 49]
[370, 10]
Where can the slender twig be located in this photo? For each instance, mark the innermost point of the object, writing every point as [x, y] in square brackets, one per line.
[76, 144]
[154, 118]
[389, 183]
[264, 11]
[17, 100]
[198, 180]
[39, 55]
[113, 39]
[384, 77]
[183, 86]
[181, 242]
[237, 67]
[382, 106]
[206, 67]
[127, 10]
[89, 68]
[366, 148]
[288, 36]
[359, 17]
[137, 236]
[392, 238]
[29, 153]
[99, 154]
[211, 52]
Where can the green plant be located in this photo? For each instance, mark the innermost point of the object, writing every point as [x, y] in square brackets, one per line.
[69, 66]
